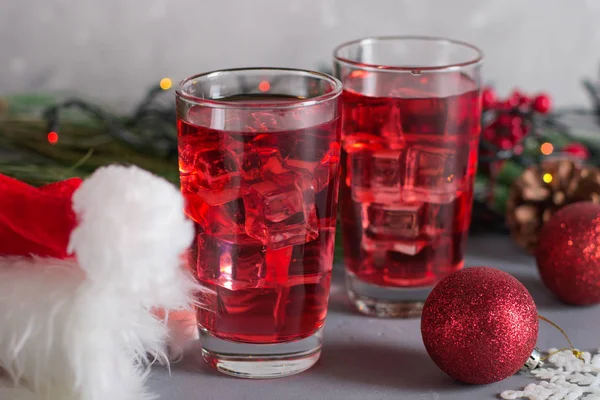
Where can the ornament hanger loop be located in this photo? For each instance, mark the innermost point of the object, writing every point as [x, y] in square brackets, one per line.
[576, 353]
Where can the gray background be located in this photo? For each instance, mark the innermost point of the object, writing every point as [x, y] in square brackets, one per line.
[113, 50]
[369, 358]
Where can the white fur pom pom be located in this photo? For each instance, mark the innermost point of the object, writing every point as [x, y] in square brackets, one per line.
[131, 228]
[86, 329]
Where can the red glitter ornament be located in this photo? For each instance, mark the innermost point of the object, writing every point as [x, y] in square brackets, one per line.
[479, 325]
[568, 253]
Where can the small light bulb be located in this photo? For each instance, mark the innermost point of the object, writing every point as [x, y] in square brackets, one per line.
[547, 177]
[264, 86]
[546, 148]
[52, 137]
[166, 83]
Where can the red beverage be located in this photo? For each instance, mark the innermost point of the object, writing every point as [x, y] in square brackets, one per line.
[264, 198]
[409, 158]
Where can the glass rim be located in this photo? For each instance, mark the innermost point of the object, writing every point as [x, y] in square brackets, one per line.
[477, 60]
[309, 101]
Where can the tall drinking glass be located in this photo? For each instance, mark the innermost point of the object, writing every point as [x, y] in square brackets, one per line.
[259, 152]
[410, 131]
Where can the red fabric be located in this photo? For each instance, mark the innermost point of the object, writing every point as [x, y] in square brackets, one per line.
[36, 221]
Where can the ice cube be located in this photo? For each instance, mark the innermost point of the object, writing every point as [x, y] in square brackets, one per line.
[301, 165]
[397, 221]
[212, 173]
[256, 162]
[378, 245]
[263, 121]
[391, 129]
[310, 149]
[313, 258]
[376, 176]
[358, 174]
[195, 207]
[362, 141]
[409, 247]
[190, 185]
[386, 175]
[188, 152]
[227, 221]
[441, 219]
[251, 166]
[216, 168]
[321, 164]
[325, 204]
[200, 116]
[327, 168]
[280, 211]
[409, 267]
[432, 175]
[448, 219]
[281, 142]
[435, 220]
[233, 266]
[358, 143]
[394, 227]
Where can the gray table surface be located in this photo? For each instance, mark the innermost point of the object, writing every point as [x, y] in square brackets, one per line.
[369, 358]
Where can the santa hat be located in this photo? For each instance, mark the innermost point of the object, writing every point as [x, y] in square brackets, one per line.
[36, 221]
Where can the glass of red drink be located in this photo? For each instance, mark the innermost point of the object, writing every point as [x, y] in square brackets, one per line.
[410, 131]
[259, 152]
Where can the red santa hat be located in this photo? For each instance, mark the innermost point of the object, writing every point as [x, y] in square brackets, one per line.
[36, 221]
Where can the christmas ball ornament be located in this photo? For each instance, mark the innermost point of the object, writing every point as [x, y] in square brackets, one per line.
[542, 190]
[568, 254]
[542, 103]
[479, 325]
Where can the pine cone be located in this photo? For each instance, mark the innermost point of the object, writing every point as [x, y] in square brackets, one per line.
[541, 191]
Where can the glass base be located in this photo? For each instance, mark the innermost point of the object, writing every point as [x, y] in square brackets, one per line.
[260, 361]
[385, 302]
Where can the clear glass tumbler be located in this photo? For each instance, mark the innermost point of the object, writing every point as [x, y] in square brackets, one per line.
[410, 132]
[259, 152]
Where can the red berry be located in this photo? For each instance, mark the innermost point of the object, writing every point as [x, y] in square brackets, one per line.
[488, 98]
[506, 144]
[577, 150]
[542, 103]
[515, 98]
[489, 133]
[505, 105]
[518, 149]
[517, 133]
[524, 101]
[505, 120]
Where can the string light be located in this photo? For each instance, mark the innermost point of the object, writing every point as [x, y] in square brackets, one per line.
[166, 83]
[547, 177]
[264, 86]
[52, 137]
[546, 148]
